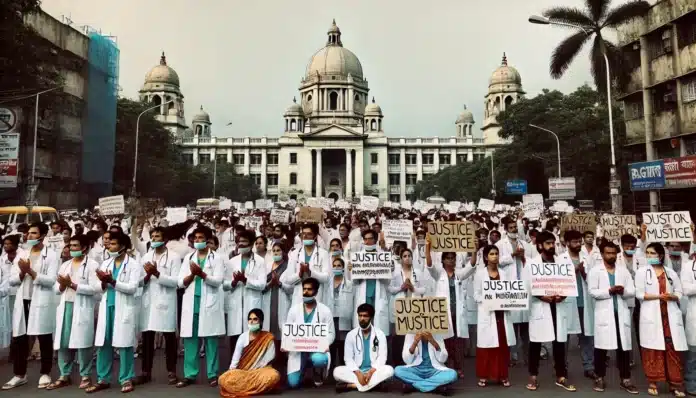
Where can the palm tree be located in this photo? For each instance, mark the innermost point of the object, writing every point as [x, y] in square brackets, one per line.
[593, 19]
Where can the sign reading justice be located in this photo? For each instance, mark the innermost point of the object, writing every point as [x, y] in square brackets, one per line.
[452, 236]
[421, 314]
[305, 337]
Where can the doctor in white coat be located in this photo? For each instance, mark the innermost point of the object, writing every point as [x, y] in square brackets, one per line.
[310, 311]
[612, 287]
[34, 312]
[308, 260]
[688, 280]
[658, 286]
[372, 291]
[425, 356]
[365, 355]
[79, 290]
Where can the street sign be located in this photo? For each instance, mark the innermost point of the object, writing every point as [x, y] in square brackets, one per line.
[645, 176]
[516, 187]
[8, 120]
[562, 188]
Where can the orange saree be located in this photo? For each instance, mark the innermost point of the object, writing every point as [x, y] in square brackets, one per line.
[246, 380]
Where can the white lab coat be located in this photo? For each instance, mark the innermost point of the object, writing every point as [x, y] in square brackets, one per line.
[284, 298]
[86, 297]
[588, 302]
[210, 318]
[263, 361]
[127, 304]
[471, 306]
[5, 310]
[158, 312]
[439, 275]
[604, 320]
[437, 358]
[42, 311]
[508, 265]
[353, 349]
[486, 325]
[322, 314]
[319, 266]
[688, 280]
[244, 297]
[650, 323]
[381, 319]
[398, 279]
[685, 261]
[342, 308]
[639, 262]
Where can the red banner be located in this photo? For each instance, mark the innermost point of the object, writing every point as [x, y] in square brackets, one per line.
[680, 172]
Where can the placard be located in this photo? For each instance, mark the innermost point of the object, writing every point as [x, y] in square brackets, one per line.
[421, 314]
[305, 337]
[553, 279]
[369, 203]
[279, 216]
[673, 226]
[581, 222]
[615, 226]
[452, 236]
[112, 205]
[505, 295]
[486, 204]
[371, 265]
[397, 230]
[313, 215]
[176, 215]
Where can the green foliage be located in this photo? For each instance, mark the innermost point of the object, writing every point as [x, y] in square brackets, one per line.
[229, 184]
[581, 123]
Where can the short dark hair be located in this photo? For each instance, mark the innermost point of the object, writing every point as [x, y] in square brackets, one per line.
[202, 230]
[366, 307]
[83, 239]
[311, 226]
[122, 239]
[43, 228]
[313, 282]
[161, 230]
[572, 234]
[369, 232]
[259, 314]
[609, 245]
[248, 235]
[628, 239]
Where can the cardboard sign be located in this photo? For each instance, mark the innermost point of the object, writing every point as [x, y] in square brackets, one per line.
[452, 236]
[673, 226]
[112, 205]
[305, 337]
[486, 204]
[505, 296]
[313, 215]
[421, 314]
[582, 222]
[369, 203]
[615, 226]
[176, 215]
[553, 279]
[372, 265]
[279, 216]
[397, 230]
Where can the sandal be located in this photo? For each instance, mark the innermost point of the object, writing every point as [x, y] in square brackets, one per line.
[533, 384]
[563, 383]
[97, 387]
[85, 382]
[678, 394]
[60, 383]
[505, 383]
[172, 379]
[184, 383]
[127, 387]
[481, 383]
[213, 382]
[652, 390]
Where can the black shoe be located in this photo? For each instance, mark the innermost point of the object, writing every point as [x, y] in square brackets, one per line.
[444, 391]
[590, 374]
[407, 389]
[341, 388]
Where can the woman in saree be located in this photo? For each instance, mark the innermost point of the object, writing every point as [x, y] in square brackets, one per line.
[250, 372]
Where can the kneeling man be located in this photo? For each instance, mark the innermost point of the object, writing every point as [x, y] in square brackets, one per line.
[365, 355]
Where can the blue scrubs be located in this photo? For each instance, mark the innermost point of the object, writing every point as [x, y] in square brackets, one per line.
[318, 360]
[424, 377]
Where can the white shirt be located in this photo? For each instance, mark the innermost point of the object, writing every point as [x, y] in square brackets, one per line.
[28, 288]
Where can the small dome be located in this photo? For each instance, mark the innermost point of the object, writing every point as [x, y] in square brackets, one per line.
[505, 74]
[373, 109]
[162, 74]
[465, 117]
[202, 117]
[334, 59]
[294, 110]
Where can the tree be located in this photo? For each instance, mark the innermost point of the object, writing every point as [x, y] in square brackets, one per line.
[230, 184]
[596, 17]
[582, 126]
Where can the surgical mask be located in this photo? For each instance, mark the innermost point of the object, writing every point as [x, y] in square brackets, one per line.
[370, 248]
[155, 245]
[365, 326]
[114, 254]
[254, 327]
[244, 250]
[308, 300]
[675, 253]
[75, 253]
[420, 241]
[308, 242]
[653, 261]
[512, 235]
[630, 252]
[338, 272]
[277, 258]
[336, 253]
[33, 242]
[199, 245]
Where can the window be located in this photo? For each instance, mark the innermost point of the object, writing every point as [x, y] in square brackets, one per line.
[689, 89]
[274, 198]
[373, 125]
[411, 179]
[660, 43]
[293, 158]
[221, 158]
[333, 101]
[686, 30]
[188, 158]
[394, 159]
[256, 178]
[462, 158]
[479, 156]
[293, 178]
[394, 198]
[204, 158]
[394, 179]
[272, 158]
[272, 180]
[664, 98]
[427, 175]
[445, 159]
[411, 158]
[238, 159]
[633, 110]
[428, 158]
[255, 158]
[375, 179]
[373, 158]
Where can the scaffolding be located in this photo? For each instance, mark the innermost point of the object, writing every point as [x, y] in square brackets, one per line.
[99, 134]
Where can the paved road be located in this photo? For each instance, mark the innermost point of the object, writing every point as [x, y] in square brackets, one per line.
[159, 387]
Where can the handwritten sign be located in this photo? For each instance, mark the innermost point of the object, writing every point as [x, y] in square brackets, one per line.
[582, 222]
[279, 216]
[553, 279]
[452, 236]
[305, 337]
[486, 204]
[421, 314]
[673, 226]
[615, 226]
[371, 265]
[397, 230]
[176, 215]
[112, 205]
[505, 296]
[369, 203]
[313, 215]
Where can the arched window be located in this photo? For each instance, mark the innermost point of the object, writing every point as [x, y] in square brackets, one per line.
[199, 130]
[508, 101]
[333, 101]
[293, 124]
[373, 125]
[157, 100]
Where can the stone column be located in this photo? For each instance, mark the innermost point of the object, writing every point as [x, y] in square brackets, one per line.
[419, 164]
[402, 176]
[263, 173]
[349, 173]
[318, 181]
[359, 174]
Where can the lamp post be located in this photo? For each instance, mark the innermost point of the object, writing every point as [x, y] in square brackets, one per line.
[492, 178]
[558, 145]
[614, 182]
[137, 137]
[36, 131]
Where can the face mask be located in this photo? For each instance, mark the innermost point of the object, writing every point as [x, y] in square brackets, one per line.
[630, 252]
[33, 242]
[277, 259]
[114, 254]
[244, 250]
[75, 253]
[308, 242]
[370, 248]
[308, 300]
[155, 245]
[512, 235]
[675, 253]
[336, 253]
[200, 245]
[254, 327]
[365, 325]
[338, 272]
[653, 261]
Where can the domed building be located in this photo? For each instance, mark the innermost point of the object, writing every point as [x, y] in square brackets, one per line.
[504, 89]
[161, 87]
[333, 143]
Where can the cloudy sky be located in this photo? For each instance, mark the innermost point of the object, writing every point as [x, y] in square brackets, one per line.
[243, 60]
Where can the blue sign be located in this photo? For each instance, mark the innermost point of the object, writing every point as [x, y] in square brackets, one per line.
[645, 176]
[516, 187]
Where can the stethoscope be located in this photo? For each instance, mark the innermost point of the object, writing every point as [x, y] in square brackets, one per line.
[358, 345]
[165, 256]
[122, 271]
[44, 267]
[649, 280]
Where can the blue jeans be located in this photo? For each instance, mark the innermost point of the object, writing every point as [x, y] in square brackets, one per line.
[318, 360]
[586, 345]
[690, 370]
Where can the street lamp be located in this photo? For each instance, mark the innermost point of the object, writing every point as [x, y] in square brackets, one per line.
[137, 136]
[614, 182]
[558, 145]
[36, 131]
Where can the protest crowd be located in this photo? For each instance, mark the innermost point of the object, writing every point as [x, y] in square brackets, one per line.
[365, 296]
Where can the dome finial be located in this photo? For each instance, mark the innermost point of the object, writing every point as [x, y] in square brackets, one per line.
[334, 35]
[504, 59]
[294, 100]
[373, 100]
[201, 107]
[464, 106]
[163, 59]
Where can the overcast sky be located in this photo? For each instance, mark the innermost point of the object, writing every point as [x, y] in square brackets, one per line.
[243, 60]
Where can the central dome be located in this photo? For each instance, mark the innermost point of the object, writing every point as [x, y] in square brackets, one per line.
[505, 74]
[162, 73]
[334, 59]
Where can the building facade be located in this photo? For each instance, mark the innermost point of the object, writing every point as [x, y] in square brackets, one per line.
[334, 143]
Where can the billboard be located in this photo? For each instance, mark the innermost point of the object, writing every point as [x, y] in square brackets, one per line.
[645, 176]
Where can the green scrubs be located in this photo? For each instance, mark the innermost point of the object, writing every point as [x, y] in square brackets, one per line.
[65, 355]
